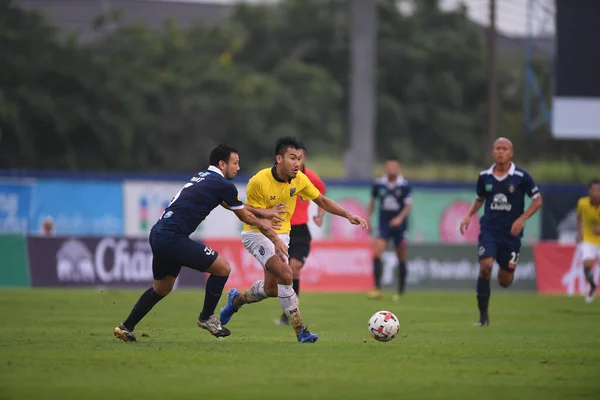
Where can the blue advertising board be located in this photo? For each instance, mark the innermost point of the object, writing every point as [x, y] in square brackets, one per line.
[92, 208]
[15, 197]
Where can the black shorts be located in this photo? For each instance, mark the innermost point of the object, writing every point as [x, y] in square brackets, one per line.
[503, 248]
[299, 242]
[170, 253]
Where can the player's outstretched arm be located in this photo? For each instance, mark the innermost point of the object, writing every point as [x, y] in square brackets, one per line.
[334, 208]
[265, 228]
[475, 206]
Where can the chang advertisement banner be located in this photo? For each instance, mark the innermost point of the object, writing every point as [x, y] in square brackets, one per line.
[96, 261]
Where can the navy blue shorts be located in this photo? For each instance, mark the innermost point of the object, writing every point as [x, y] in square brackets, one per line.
[396, 234]
[170, 253]
[504, 249]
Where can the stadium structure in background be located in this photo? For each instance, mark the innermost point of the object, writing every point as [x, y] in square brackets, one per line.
[576, 100]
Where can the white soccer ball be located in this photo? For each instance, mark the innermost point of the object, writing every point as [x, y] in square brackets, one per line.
[384, 326]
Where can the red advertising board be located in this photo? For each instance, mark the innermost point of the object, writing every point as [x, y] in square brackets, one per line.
[559, 269]
[332, 266]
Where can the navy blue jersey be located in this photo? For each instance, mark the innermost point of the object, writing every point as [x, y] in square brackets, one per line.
[392, 197]
[192, 204]
[504, 198]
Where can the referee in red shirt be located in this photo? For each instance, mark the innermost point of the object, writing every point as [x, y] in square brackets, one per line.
[300, 234]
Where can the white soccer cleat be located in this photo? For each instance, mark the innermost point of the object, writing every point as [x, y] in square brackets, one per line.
[590, 297]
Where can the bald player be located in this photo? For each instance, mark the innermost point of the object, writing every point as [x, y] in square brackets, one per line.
[502, 188]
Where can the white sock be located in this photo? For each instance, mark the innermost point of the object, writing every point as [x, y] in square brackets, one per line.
[288, 300]
[255, 293]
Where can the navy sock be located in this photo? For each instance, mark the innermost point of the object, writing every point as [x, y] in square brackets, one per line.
[143, 306]
[214, 289]
[483, 296]
[589, 276]
[402, 274]
[296, 286]
[377, 272]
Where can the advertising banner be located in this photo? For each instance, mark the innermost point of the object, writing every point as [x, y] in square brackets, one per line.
[332, 266]
[79, 207]
[560, 269]
[145, 201]
[15, 206]
[435, 216]
[13, 261]
[95, 261]
[452, 267]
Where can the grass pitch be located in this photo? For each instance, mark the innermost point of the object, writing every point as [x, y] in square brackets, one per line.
[58, 344]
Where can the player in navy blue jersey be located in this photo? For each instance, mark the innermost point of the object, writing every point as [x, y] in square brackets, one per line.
[502, 188]
[172, 248]
[392, 192]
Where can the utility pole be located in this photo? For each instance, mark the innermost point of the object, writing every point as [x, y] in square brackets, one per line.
[361, 118]
[492, 78]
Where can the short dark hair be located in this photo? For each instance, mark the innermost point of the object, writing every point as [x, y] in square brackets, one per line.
[593, 182]
[221, 152]
[286, 142]
[392, 158]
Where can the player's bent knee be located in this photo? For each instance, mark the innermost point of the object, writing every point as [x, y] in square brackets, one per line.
[220, 267]
[505, 278]
[485, 268]
[164, 286]
[588, 264]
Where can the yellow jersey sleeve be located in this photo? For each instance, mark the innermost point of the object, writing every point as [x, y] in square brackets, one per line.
[254, 193]
[308, 191]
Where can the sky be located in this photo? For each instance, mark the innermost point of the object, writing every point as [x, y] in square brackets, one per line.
[511, 14]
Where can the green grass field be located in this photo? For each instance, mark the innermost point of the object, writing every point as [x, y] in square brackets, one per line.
[59, 345]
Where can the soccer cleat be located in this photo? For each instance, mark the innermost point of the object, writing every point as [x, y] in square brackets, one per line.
[283, 320]
[591, 294]
[124, 334]
[483, 322]
[304, 336]
[214, 326]
[229, 309]
[375, 294]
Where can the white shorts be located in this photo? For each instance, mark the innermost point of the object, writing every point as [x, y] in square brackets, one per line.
[589, 251]
[260, 246]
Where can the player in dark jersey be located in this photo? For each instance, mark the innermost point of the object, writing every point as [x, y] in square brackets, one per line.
[392, 192]
[502, 188]
[172, 248]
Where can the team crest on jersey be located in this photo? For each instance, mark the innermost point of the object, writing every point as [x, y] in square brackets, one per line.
[511, 188]
[398, 192]
[292, 191]
[488, 187]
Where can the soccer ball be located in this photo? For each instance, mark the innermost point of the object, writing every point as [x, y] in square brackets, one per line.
[384, 326]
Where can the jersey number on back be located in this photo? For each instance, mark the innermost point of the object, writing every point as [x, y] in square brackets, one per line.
[187, 185]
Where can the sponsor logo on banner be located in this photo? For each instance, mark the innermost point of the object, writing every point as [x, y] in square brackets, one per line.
[331, 266]
[14, 207]
[85, 261]
[560, 269]
[145, 201]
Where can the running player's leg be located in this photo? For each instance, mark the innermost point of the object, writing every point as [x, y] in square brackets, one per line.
[298, 251]
[486, 252]
[508, 258]
[589, 254]
[379, 246]
[200, 257]
[165, 273]
[400, 245]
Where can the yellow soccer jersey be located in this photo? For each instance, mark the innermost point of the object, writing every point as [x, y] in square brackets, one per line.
[265, 190]
[590, 217]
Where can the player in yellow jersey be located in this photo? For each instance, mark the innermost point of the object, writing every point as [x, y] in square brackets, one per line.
[269, 188]
[588, 232]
